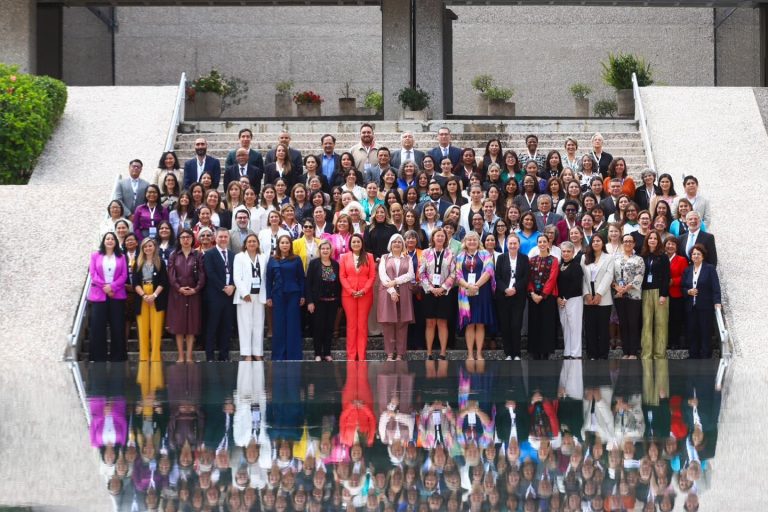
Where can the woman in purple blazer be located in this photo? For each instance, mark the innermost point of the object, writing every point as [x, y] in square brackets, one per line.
[109, 273]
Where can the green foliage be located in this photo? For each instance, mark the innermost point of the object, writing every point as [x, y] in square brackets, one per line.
[414, 98]
[605, 108]
[30, 107]
[374, 100]
[617, 71]
[232, 90]
[481, 83]
[580, 91]
[498, 93]
[284, 87]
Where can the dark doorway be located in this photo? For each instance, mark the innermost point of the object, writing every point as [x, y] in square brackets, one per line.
[49, 40]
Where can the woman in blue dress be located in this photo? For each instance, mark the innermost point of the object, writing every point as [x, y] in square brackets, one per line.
[475, 276]
[285, 294]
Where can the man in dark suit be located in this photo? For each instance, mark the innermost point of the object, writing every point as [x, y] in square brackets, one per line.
[444, 148]
[406, 152]
[297, 162]
[696, 236]
[219, 288]
[130, 191]
[512, 271]
[243, 167]
[254, 157]
[610, 203]
[545, 217]
[373, 173]
[435, 198]
[330, 162]
[602, 158]
[195, 167]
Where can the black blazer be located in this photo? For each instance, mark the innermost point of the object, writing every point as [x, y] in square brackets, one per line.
[314, 281]
[708, 286]
[212, 167]
[271, 175]
[418, 157]
[503, 275]
[608, 205]
[658, 267]
[296, 159]
[254, 158]
[254, 176]
[641, 198]
[454, 153]
[569, 281]
[159, 278]
[215, 276]
[336, 169]
[705, 239]
[602, 165]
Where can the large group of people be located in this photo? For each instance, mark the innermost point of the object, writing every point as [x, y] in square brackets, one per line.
[408, 436]
[411, 244]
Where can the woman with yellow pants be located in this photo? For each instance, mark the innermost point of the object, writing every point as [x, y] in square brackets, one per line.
[150, 280]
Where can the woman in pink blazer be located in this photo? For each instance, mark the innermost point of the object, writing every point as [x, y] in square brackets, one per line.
[357, 272]
[109, 273]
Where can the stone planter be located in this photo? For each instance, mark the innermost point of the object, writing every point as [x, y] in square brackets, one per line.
[283, 105]
[190, 109]
[347, 106]
[501, 108]
[482, 106]
[625, 101]
[208, 105]
[415, 115]
[582, 107]
[308, 110]
[366, 111]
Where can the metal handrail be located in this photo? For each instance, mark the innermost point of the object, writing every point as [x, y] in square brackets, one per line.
[178, 113]
[640, 116]
[73, 338]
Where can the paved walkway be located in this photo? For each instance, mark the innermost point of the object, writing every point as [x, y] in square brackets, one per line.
[718, 135]
[43, 429]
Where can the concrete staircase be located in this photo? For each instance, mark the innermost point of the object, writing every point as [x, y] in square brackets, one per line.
[622, 137]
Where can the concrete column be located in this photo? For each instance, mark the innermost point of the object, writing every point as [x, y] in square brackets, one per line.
[18, 25]
[430, 62]
[395, 53]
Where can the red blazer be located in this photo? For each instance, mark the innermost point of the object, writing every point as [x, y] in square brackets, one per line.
[353, 278]
[676, 270]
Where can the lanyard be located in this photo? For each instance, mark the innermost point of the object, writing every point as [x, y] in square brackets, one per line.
[152, 214]
[439, 261]
[256, 269]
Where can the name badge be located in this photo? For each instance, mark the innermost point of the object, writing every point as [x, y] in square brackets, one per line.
[367, 166]
[256, 282]
[650, 279]
[472, 418]
[436, 417]
[153, 232]
[436, 280]
[471, 279]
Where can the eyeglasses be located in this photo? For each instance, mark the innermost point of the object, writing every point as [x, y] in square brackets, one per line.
[570, 210]
[309, 227]
[628, 241]
[207, 235]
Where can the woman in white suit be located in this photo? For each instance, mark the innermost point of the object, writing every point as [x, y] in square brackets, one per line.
[597, 267]
[249, 274]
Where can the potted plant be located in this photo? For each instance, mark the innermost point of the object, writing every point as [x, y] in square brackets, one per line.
[605, 108]
[308, 103]
[209, 91]
[373, 103]
[481, 83]
[498, 101]
[580, 93]
[348, 100]
[283, 104]
[617, 72]
[414, 101]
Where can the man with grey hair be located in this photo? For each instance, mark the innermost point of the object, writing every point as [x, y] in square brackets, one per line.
[603, 158]
[545, 217]
[406, 152]
[694, 236]
[646, 193]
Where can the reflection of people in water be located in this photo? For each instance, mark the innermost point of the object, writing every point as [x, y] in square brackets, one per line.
[557, 435]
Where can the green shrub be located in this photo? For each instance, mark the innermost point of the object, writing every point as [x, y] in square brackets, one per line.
[414, 98]
[580, 91]
[498, 93]
[617, 72]
[605, 108]
[374, 100]
[30, 107]
[481, 83]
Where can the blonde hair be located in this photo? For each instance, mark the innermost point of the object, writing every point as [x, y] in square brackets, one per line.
[156, 261]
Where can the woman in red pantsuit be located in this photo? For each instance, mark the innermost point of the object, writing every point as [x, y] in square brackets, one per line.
[357, 272]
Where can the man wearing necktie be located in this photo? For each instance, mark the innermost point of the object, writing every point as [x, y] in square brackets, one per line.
[242, 167]
[696, 236]
[130, 191]
[219, 288]
[444, 148]
[406, 152]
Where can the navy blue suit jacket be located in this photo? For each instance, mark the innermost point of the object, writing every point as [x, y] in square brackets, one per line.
[212, 167]
[254, 158]
[254, 176]
[708, 285]
[454, 154]
[215, 276]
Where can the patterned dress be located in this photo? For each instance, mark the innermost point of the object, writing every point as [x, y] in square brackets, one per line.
[478, 309]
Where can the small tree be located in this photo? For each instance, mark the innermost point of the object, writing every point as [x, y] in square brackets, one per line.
[580, 91]
[617, 71]
[413, 98]
[605, 108]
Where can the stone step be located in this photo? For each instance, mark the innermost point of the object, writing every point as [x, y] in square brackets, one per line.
[615, 147]
[455, 125]
[431, 137]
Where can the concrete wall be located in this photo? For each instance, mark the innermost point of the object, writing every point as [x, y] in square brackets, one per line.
[18, 22]
[529, 48]
[87, 48]
[738, 48]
